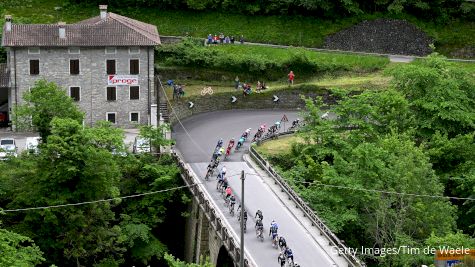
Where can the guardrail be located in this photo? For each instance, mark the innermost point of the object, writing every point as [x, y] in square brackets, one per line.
[300, 203]
[211, 211]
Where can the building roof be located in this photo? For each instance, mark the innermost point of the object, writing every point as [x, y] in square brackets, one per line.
[4, 75]
[114, 30]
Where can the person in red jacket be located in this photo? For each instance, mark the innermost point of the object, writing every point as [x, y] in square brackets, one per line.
[291, 77]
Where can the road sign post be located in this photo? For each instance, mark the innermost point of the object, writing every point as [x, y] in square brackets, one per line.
[284, 120]
[241, 262]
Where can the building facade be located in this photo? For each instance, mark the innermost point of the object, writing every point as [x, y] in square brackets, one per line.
[106, 64]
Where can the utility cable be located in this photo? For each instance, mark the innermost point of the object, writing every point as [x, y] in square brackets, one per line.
[178, 119]
[101, 200]
[381, 191]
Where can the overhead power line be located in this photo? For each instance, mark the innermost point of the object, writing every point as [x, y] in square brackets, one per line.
[98, 201]
[382, 191]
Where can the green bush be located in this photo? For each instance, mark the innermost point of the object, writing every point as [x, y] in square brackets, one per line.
[266, 62]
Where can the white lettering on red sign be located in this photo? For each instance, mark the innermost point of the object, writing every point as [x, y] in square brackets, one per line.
[122, 80]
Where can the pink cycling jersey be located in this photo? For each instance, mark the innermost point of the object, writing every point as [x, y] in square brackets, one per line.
[228, 191]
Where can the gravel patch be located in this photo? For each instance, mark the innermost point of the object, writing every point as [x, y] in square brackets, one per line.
[386, 36]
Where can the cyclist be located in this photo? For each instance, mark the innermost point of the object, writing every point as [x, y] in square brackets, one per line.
[240, 143]
[216, 162]
[295, 123]
[224, 184]
[259, 215]
[231, 143]
[230, 146]
[244, 216]
[222, 172]
[259, 225]
[277, 125]
[221, 151]
[232, 201]
[262, 128]
[228, 192]
[248, 132]
[273, 230]
[281, 259]
[220, 143]
[288, 253]
[282, 243]
[220, 182]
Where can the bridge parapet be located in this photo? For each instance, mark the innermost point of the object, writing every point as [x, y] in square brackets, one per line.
[211, 211]
[333, 240]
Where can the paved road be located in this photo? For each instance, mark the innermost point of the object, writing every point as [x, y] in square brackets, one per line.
[205, 130]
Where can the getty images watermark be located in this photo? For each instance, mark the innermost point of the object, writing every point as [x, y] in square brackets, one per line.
[408, 250]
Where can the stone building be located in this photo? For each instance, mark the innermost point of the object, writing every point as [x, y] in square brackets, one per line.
[105, 63]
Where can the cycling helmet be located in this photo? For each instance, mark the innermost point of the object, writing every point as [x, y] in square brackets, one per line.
[232, 139]
[277, 123]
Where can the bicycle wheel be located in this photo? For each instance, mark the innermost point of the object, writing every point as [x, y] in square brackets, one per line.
[203, 92]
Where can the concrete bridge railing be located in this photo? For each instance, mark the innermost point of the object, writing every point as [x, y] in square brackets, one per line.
[302, 205]
[211, 211]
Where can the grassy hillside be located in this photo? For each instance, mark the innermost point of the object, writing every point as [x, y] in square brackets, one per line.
[290, 30]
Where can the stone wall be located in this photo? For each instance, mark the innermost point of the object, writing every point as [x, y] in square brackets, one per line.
[92, 80]
[289, 98]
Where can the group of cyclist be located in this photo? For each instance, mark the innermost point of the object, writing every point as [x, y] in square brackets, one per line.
[286, 254]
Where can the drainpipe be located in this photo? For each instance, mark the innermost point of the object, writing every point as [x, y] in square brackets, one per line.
[16, 86]
[149, 91]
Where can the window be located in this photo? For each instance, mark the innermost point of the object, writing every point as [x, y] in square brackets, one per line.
[33, 50]
[74, 50]
[134, 93]
[110, 50]
[111, 117]
[74, 66]
[34, 66]
[110, 65]
[134, 116]
[134, 66]
[134, 50]
[74, 93]
[111, 94]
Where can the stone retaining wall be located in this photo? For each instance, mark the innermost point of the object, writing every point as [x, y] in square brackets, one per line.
[289, 98]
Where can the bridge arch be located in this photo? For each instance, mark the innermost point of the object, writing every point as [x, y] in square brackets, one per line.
[224, 259]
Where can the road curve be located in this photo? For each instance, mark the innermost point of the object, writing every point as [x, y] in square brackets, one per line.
[196, 142]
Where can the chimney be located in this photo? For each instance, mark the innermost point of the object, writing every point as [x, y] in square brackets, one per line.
[103, 9]
[62, 30]
[8, 23]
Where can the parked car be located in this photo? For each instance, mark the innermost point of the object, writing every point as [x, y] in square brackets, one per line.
[32, 144]
[7, 148]
[141, 145]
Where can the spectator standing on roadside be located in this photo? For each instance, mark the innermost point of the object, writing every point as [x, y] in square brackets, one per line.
[210, 39]
[241, 39]
[227, 40]
[236, 83]
[258, 87]
[221, 38]
[215, 39]
[291, 77]
[232, 39]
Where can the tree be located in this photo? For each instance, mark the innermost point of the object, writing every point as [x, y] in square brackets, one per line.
[72, 169]
[45, 101]
[156, 135]
[18, 251]
[441, 96]
[172, 262]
